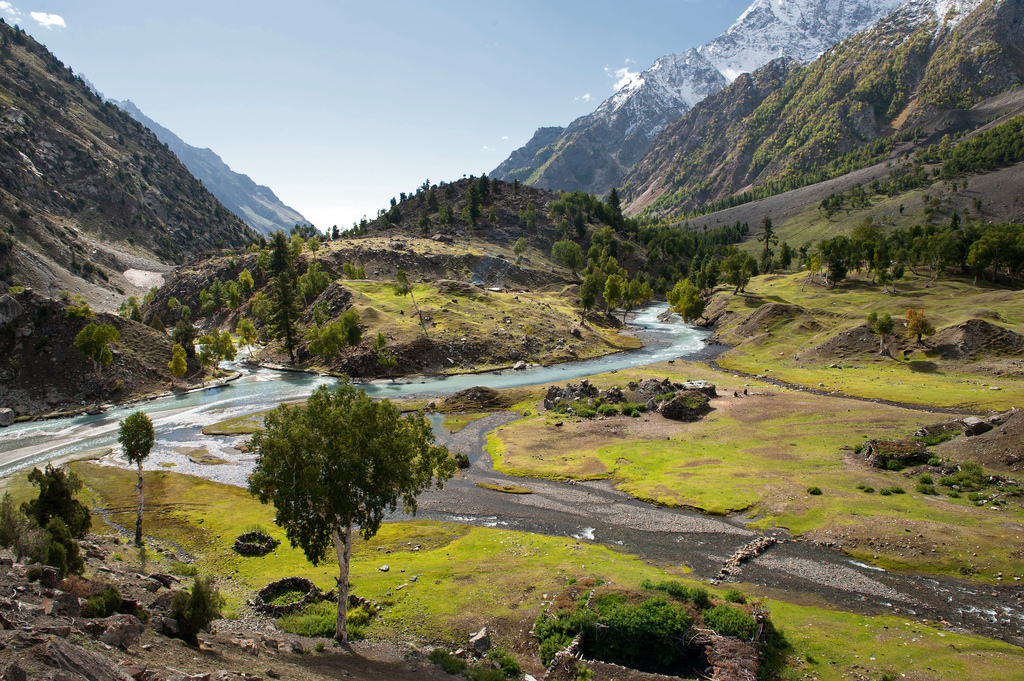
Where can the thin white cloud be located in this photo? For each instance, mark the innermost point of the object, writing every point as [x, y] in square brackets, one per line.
[504, 138]
[623, 77]
[49, 20]
[583, 98]
[486, 148]
[11, 12]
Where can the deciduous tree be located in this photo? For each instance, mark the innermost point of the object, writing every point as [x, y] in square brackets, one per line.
[94, 342]
[341, 461]
[137, 436]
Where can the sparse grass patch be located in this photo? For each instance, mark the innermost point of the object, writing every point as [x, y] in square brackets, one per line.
[507, 489]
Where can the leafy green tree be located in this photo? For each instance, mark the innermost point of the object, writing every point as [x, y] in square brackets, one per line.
[178, 365]
[313, 244]
[785, 256]
[216, 347]
[245, 282]
[246, 331]
[881, 325]
[94, 342]
[405, 288]
[328, 340]
[568, 253]
[588, 292]
[234, 294]
[137, 436]
[57, 490]
[918, 325]
[635, 293]
[614, 286]
[280, 255]
[529, 215]
[739, 267]
[150, 296]
[314, 282]
[519, 247]
[686, 301]
[343, 460]
[18, 532]
[388, 361]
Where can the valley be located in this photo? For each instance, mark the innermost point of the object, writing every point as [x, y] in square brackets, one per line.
[721, 381]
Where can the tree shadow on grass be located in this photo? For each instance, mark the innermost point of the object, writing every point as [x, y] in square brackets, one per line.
[923, 366]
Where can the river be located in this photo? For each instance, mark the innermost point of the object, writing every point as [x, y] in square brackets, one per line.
[181, 418]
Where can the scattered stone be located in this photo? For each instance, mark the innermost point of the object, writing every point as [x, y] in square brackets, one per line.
[122, 631]
[384, 568]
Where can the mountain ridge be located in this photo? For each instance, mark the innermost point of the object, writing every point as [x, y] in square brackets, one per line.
[593, 152]
[256, 204]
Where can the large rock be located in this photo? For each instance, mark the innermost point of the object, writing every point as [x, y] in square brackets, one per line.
[122, 631]
[687, 405]
[6, 417]
[79, 663]
[480, 641]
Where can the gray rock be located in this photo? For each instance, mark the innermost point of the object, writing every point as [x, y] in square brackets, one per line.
[519, 366]
[384, 568]
[62, 655]
[122, 631]
[166, 626]
[480, 641]
[50, 577]
[6, 417]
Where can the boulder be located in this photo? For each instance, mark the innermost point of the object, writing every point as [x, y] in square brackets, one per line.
[6, 417]
[519, 366]
[122, 631]
[67, 657]
[168, 626]
[687, 405]
[975, 426]
[480, 641]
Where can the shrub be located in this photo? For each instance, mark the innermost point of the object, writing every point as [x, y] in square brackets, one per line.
[643, 636]
[182, 569]
[814, 490]
[606, 409]
[867, 489]
[729, 621]
[319, 647]
[448, 662]
[632, 408]
[926, 478]
[61, 550]
[194, 611]
[735, 596]
[506, 663]
[586, 413]
[103, 604]
[697, 595]
[893, 465]
[318, 619]
[462, 459]
[557, 632]
[932, 440]
[935, 461]
[925, 488]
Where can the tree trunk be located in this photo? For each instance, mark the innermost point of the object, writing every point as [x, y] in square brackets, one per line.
[343, 547]
[419, 313]
[138, 516]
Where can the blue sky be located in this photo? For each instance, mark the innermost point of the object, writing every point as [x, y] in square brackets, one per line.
[339, 106]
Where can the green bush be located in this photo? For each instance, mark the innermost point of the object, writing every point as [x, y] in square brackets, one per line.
[632, 408]
[557, 632]
[183, 569]
[606, 409]
[646, 636]
[867, 489]
[814, 490]
[448, 662]
[935, 461]
[318, 619]
[735, 596]
[697, 595]
[971, 476]
[484, 673]
[729, 621]
[319, 647]
[932, 440]
[926, 478]
[506, 663]
[925, 488]
[893, 465]
[61, 549]
[103, 604]
[194, 611]
[586, 413]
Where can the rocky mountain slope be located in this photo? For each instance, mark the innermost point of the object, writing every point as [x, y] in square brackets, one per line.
[86, 191]
[594, 151]
[256, 204]
[42, 371]
[786, 123]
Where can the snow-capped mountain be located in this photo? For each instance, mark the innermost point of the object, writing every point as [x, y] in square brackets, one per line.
[594, 151]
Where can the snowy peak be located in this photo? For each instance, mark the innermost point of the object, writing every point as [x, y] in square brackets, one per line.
[799, 29]
[595, 151]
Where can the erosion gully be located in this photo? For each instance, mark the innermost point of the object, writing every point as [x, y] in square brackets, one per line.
[589, 512]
